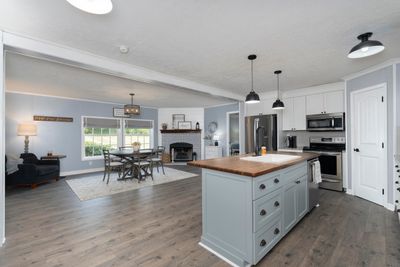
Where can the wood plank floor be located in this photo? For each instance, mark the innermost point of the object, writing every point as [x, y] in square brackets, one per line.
[161, 226]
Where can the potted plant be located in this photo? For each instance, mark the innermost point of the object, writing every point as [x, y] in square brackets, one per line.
[136, 146]
[164, 126]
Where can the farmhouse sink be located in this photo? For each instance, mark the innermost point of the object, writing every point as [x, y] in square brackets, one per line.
[271, 158]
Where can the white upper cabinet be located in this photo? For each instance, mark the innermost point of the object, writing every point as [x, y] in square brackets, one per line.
[334, 102]
[315, 104]
[294, 114]
[263, 107]
[330, 102]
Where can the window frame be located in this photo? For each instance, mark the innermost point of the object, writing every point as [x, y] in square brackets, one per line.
[120, 135]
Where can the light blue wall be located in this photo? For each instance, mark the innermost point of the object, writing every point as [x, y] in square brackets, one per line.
[59, 137]
[384, 75]
[218, 114]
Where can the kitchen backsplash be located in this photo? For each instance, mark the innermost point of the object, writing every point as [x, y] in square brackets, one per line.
[303, 137]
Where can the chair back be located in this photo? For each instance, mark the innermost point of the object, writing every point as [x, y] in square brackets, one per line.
[160, 151]
[107, 157]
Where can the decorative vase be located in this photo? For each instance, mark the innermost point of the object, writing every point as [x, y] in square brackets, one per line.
[136, 146]
[164, 126]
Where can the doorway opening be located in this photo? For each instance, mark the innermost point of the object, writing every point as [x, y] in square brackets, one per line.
[232, 122]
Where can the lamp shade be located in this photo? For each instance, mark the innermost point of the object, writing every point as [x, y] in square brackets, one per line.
[366, 47]
[252, 98]
[26, 129]
[278, 104]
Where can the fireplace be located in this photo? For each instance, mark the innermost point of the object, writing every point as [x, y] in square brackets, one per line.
[181, 152]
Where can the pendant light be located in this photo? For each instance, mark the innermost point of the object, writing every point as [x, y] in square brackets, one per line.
[366, 47]
[278, 104]
[97, 7]
[252, 97]
[131, 109]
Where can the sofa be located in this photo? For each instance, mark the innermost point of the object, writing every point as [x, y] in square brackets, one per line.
[34, 171]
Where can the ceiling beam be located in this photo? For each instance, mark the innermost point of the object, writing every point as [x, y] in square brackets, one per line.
[82, 59]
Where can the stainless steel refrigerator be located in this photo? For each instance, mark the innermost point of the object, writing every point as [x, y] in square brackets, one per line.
[261, 131]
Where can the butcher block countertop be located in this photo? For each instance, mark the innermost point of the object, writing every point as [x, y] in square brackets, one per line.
[250, 168]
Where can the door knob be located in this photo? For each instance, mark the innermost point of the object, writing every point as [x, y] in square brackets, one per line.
[356, 150]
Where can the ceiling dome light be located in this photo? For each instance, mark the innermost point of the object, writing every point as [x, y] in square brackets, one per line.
[98, 7]
[366, 47]
[278, 104]
[252, 97]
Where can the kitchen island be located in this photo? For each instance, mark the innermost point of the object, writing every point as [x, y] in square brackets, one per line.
[250, 203]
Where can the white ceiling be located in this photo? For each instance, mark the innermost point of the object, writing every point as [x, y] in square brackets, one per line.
[208, 41]
[31, 75]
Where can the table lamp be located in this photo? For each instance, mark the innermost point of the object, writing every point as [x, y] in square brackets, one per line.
[216, 139]
[26, 129]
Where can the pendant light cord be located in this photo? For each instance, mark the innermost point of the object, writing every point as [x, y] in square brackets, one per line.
[277, 78]
[252, 76]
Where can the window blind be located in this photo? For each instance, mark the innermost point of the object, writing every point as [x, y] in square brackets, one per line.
[101, 123]
[138, 124]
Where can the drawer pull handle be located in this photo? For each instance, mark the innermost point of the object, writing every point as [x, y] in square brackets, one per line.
[276, 204]
[262, 186]
[297, 182]
[263, 243]
[276, 231]
[276, 180]
[263, 212]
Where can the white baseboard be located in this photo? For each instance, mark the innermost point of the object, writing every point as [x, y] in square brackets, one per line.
[70, 173]
[219, 255]
[389, 206]
[349, 192]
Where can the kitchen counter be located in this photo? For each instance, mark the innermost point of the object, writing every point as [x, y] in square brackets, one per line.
[250, 168]
[289, 149]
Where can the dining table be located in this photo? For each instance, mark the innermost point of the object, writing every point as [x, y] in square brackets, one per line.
[131, 156]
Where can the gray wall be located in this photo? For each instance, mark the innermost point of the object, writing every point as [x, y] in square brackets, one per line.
[384, 75]
[218, 114]
[59, 137]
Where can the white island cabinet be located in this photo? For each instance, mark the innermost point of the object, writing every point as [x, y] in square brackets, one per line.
[245, 216]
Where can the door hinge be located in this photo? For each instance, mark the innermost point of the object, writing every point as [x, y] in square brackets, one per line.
[383, 191]
[382, 98]
[383, 145]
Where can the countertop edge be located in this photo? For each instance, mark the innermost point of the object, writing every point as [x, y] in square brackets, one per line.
[205, 164]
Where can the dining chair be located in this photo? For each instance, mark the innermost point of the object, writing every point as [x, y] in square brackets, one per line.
[141, 164]
[110, 166]
[156, 158]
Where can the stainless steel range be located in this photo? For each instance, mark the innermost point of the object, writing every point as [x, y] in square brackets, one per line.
[330, 151]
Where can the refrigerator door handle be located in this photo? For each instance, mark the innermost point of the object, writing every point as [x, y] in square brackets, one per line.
[255, 126]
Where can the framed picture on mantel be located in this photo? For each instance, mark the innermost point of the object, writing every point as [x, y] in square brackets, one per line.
[185, 125]
[176, 118]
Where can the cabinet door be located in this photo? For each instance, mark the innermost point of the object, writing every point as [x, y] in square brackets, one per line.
[315, 104]
[254, 109]
[287, 115]
[299, 113]
[267, 106]
[301, 197]
[289, 208]
[334, 102]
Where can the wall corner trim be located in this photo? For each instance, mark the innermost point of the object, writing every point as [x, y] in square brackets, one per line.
[373, 68]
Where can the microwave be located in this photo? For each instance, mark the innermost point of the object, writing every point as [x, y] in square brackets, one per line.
[325, 122]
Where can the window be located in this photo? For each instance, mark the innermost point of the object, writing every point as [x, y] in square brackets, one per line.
[138, 131]
[108, 133]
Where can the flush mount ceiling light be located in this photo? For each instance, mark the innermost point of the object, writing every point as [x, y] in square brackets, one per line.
[366, 47]
[252, 97]
[278, 104]
[131, 109]
[98, 7]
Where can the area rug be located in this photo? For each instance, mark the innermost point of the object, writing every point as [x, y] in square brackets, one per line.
[92, 186]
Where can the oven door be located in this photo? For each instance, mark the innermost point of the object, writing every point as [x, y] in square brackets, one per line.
[331, 170]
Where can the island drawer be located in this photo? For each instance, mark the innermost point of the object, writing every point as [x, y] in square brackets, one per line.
[266, 238]
[266, 208]
[264, 185]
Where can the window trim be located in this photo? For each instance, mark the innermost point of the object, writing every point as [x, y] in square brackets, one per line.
[121, 135]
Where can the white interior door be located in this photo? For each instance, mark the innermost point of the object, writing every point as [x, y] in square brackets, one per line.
[369, 132]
